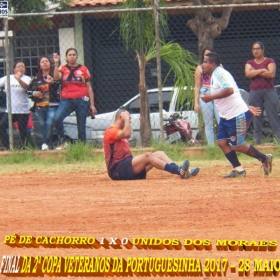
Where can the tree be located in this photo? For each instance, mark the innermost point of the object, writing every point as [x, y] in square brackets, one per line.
[34, 6]
[137, 30]
[207, 27]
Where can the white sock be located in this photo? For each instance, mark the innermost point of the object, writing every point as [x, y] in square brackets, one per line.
[239, 168]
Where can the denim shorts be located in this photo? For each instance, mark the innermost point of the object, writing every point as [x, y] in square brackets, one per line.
[234, 129]
[204, 90]
[123, 171]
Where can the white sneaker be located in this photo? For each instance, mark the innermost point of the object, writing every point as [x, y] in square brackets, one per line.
[63, 146]
[45, 147]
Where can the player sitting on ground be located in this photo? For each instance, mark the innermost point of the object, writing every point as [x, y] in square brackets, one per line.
[235, 117]
[121, 165]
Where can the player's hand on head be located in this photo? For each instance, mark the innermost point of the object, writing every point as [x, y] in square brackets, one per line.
[125, 115]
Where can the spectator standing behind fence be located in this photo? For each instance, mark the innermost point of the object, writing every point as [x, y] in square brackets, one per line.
[208, 110]
[75, 93]
[19, 104]
[261, 70]
[45, 93]
[30, 126]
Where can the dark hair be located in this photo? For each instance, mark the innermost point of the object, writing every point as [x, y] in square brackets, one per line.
[71, 49]
[17, 62]
[207, 49]
[203, 54]
[39, 74]
[259, 43]
[214, 57]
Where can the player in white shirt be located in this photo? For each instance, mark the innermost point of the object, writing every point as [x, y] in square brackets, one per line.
[19, 103]
[235, 117]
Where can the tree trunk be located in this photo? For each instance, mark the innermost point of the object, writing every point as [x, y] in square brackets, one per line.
[145, 122]
[207, 28]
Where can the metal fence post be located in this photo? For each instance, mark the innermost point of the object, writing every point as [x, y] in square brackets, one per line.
[159, 80]
[7, 58]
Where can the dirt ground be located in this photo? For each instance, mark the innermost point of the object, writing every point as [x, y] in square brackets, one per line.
[163, 206]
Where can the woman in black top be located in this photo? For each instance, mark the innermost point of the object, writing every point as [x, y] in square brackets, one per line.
[45, 93]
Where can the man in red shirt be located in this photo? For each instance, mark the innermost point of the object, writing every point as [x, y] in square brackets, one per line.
[121, 165]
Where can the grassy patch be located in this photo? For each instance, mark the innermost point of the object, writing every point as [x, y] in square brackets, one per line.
[213, 153]
[19, 157]
[77, 157]
[83, 157]
[172, 151]
[78, 152]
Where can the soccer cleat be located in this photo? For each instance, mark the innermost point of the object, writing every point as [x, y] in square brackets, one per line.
[267, 165]
[192, 172]
[184, 169]
[236, 174]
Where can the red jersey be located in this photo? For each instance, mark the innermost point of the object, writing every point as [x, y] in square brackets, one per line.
[76, 87]
[260, 83]
[115, 149]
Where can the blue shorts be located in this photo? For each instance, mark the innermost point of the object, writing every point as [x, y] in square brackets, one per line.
[123, 171]
[234, 129]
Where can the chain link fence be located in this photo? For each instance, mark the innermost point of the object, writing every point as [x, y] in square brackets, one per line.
[114, 71]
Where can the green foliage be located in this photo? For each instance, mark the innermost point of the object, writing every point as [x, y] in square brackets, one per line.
[173, 151]
[137, 28]
[177, 152]
[213, 153]
[137, 32]
[182, 64]
[78, 152]
[79, 157]
[34, 6]
[19, 157]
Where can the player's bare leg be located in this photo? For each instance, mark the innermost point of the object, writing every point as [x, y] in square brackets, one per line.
[161, 155]
[161, 161]
[142, 161]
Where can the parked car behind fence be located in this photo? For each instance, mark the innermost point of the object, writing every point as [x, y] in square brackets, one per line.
[95, 127]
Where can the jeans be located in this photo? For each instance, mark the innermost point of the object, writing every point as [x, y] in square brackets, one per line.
[65, 108]
[45, 116]
[267, 100]
[209, 111]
